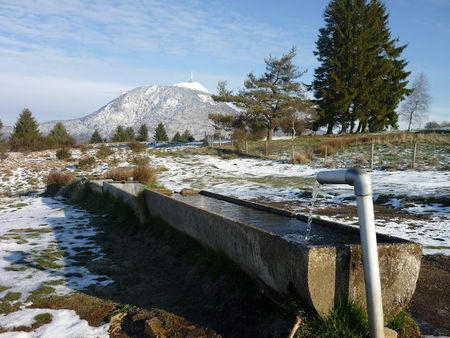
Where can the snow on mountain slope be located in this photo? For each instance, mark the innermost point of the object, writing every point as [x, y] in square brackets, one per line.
[180, 107]
[193, 85]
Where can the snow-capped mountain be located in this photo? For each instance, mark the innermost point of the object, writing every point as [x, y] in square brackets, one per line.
[183, 106]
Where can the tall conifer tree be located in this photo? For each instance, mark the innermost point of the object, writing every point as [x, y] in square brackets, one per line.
[361, 77]
[26, 134]
[142, 133]
[160, 133]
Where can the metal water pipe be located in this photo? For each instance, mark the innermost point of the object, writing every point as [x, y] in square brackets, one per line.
[361, 182]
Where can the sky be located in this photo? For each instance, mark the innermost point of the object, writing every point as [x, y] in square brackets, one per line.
[66, 59]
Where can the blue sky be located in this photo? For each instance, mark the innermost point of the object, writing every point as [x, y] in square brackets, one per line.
[66, 59]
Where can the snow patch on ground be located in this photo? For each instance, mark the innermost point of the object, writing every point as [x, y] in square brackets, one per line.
[65, 323]
[39, 238]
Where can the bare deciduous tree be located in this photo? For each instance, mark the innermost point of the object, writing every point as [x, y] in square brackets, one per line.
[415, 107]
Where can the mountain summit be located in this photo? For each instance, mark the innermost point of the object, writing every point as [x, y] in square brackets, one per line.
[185, 105]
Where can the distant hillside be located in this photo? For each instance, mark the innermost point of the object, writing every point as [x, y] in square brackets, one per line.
[182, 106]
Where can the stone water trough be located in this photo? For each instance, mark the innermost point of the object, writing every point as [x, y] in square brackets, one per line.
[269, 245]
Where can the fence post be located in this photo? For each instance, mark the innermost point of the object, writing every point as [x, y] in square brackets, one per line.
[293, 151]
[267, 148]
[246, 147]
[326, 153]
[413, 164]
[372, 148]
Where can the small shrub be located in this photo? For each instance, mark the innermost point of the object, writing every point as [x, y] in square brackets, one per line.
[56, 180]
[141, 173]
[86, 162]
[119, 174]
[303, 157]
[137, 147]
[405, 325]
[104, 151]
[346, 320]
[145, 174]
[141, 160]
[63, 154]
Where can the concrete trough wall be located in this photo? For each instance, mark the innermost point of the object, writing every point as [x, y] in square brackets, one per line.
[317, 275]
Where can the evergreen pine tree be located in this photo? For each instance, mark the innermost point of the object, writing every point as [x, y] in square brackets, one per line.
[120, 135]
[187, 136]
[1, 127]
[96, 137]
[59, 137]
[129, 134]
[160, 133]
[265, 99]
[26, 134]
[177, 137]
[143, 133]
[361, 77]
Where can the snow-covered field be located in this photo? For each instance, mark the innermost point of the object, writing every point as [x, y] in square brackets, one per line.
[274, 181]
[420, 197]
[39, 238]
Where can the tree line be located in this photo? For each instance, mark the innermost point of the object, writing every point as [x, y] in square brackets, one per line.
[359, 83]
[26, 135]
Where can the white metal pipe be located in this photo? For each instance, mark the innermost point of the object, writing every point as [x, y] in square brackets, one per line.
[371, 268]
[363, 191]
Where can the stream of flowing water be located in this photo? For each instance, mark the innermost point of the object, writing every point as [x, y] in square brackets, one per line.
[315, 193]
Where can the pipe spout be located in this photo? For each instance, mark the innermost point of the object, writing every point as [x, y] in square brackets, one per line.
[358, 178]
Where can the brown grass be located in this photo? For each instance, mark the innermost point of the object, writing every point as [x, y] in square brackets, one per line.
[63, 154]
[86, 162]
[145, 174]
[141, 160]
[56, 180]
[104, 151]
[137, 147]
[119, 174]
[329, 149]
[303, 157]
[141, 173]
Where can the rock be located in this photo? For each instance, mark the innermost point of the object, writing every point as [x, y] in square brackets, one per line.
[189, 192]
[163, 324]
[153, 328]
[389, 333]
[115, 326]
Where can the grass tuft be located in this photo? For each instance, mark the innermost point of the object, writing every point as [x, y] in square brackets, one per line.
[346, 320]
[405, 325]
[42, 319]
